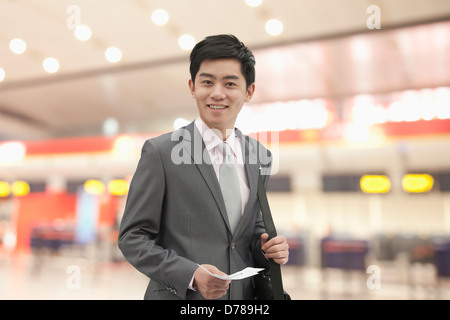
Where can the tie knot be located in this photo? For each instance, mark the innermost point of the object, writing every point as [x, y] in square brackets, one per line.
[226, 150]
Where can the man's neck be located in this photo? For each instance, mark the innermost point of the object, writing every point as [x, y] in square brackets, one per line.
[222, 133]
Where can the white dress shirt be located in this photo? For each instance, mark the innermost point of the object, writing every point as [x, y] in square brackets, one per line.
[212, 140]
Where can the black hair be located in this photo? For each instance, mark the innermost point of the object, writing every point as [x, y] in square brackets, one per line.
[221, 47]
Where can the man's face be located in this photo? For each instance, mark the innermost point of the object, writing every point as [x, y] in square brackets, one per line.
[220, 90]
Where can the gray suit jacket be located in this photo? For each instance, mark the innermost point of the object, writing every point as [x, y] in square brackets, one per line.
[175, 216]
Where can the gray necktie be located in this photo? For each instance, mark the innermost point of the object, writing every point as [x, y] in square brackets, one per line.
[229, 183]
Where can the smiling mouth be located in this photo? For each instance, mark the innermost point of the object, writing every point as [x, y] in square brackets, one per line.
[214, 107]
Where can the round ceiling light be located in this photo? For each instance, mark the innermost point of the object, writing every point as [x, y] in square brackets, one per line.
[186, 42]
[50, 65]
[113, 54]
[274, 27]
[253, 3]
[83, 33]
[17, 46]
[160, 17]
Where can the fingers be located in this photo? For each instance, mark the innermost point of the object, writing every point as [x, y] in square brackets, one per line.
[276, 248]
[215, 291]
[264, 238]
[209, 286]
[274, 244]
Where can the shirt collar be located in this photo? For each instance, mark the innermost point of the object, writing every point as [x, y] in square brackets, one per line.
[212, 140]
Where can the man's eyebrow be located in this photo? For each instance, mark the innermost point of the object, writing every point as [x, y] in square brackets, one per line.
[229, 77]
[206, 75]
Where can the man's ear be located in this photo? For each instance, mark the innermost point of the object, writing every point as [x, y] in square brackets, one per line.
[192, 87]
[250, 91]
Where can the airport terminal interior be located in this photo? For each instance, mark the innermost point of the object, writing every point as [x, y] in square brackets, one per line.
[352, 98]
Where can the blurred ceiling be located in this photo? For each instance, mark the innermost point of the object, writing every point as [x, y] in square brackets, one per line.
[326, 50]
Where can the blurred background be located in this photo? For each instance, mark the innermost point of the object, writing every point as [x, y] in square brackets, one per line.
[352, 97]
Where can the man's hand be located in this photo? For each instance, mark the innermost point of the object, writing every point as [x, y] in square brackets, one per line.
[209, 286]
[277, 248]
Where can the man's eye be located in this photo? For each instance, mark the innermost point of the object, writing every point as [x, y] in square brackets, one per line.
[207, 82]
[231, 84]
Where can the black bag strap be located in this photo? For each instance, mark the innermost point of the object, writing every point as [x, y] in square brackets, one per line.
[275, 270]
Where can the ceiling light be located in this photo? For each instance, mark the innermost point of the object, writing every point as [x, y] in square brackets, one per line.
[186, 42]
[2, 74]
[12, 152]
[160, 17]
[118, 187]
[20, 188]
[83, 33]
[253, 3]
[274, 27]
[94, 187]
[5, 189]
[125, 146]
[417, 183]
[110, 127]
[18, 46]
[51, 65]
[113, 54]
[375, 184]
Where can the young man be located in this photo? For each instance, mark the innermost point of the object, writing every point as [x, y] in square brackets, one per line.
[192, 205]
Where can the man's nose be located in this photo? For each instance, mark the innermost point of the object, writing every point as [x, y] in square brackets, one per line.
[218, 93]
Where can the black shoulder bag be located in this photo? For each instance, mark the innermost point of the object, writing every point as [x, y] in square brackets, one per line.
[268, 283]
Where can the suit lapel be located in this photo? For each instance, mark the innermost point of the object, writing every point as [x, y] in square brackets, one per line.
[194, 145]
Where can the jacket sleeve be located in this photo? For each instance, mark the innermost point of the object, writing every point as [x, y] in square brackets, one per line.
[141, 223]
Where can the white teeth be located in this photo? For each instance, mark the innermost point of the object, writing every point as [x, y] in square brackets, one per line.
[217, 107]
